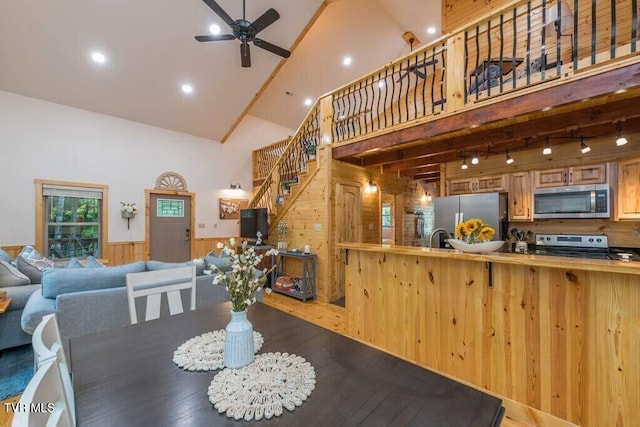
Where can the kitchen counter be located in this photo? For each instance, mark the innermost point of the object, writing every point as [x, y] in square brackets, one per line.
[531, 260]
[554, 337]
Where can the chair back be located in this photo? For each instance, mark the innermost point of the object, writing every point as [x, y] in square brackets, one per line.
[44, 401]
[47, 348]
[152, 284]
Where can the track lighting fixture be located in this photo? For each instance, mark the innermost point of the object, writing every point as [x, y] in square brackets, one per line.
[547, 148]
[475, 160]
[621, 140]
[509, 158]
[584, 148]
[464, 164]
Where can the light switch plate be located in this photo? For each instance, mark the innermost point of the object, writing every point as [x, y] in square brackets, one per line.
[317, 226]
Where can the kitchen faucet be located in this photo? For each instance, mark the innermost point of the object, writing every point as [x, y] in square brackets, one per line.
[435, 232]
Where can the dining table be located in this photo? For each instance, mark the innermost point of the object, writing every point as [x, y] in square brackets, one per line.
[126, 377]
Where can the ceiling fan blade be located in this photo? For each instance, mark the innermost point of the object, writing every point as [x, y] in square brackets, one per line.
[272, 48]
[212, 38]
[220, 12]
[266, 19]
[245, 54]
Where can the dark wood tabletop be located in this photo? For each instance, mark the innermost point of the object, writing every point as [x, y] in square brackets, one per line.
[126, 377]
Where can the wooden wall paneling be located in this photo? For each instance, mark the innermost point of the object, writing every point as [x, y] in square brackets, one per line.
[459, 13]
[125, 252]
[13, 250]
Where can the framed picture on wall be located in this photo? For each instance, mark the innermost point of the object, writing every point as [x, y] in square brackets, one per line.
[230, 208]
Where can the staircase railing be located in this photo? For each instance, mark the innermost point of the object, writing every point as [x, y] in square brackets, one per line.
[291, 162]
[263, 159]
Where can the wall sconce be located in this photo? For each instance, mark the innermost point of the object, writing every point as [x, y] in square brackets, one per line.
[371, 187]
[233, 186]
[426, 198]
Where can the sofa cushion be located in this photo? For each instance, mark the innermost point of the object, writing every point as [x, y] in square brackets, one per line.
[11, 276]
[4, 256]
[25, 251]
[74, 263]
[161, 265]
[34, 310]
[56, 281]
[20, 294]
[92, 262]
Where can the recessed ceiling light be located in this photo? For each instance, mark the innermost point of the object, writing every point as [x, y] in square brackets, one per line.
[346, 60]
[308, 101]
[431, 30]
[187, 88]
[98, 57]
[214, 29]
[381, 84]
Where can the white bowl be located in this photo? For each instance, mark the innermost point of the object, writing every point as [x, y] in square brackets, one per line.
[476, 247]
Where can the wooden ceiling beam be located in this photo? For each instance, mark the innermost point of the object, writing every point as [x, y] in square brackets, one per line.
[420, 170]
[427, 177]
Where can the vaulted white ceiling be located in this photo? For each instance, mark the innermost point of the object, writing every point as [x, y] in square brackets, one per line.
[45, 52]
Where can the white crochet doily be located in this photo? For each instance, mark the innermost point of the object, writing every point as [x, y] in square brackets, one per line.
[206, 352]
[264, 387]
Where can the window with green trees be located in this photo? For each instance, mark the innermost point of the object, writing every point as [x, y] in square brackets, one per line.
[72, 221]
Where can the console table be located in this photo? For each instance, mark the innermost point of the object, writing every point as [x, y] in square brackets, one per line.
[308, 277]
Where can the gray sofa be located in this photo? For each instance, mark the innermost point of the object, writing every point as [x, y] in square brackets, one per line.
[85, 300]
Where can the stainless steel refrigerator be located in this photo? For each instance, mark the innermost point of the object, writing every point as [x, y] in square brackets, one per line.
[491, 208]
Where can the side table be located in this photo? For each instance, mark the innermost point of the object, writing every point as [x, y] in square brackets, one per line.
[307, 287]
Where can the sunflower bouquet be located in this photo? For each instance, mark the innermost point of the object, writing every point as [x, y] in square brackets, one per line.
[474, 231]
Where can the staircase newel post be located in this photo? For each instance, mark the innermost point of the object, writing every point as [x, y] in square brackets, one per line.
[326, 119]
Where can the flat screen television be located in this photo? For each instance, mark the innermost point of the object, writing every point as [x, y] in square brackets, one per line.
[252, 221]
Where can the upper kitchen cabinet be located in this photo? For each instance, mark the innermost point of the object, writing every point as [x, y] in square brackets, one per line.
[485, 184]
[520, 197]
[576, 175]
[628, 194]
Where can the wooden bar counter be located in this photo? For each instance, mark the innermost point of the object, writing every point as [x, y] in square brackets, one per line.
[552, 335]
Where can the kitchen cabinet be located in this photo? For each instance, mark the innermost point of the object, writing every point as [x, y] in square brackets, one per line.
[484, 184]
[628, 191]
[575, 175]
[520, 197]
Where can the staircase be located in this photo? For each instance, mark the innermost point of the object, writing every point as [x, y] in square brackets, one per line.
[292, 171]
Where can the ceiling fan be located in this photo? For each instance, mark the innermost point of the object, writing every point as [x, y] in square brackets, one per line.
[245, 31]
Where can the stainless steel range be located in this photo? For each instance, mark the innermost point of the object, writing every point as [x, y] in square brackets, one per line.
[573, 245]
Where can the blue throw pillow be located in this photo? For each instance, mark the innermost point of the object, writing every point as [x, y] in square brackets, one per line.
[74, 263]
[92, 262]
[4, 256]
[221, 263]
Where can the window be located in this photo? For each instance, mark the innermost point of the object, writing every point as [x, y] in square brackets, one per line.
[386, 216]
[71, 220]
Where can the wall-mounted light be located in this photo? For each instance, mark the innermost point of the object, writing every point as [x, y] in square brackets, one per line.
[236, 186]
[475, 160]
[509, 159]
[371, 187]
[547, 148]
[584, 148]
[621, 139]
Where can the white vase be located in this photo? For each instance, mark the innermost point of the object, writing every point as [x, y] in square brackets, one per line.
[238, 341]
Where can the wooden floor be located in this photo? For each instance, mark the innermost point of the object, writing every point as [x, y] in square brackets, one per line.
[326, 315]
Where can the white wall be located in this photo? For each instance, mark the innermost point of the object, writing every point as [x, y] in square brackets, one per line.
[44, 140]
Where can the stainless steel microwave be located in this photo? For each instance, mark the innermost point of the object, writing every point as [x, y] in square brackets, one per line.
[576, 201]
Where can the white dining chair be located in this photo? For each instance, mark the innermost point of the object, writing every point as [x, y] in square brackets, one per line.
[47, 348]
[44, 401]
[152, 284]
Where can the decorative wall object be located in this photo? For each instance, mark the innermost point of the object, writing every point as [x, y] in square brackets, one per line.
[230, 208]
[171, 181]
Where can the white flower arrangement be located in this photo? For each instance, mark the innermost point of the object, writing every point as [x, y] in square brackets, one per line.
[241, 282]
[128, 207]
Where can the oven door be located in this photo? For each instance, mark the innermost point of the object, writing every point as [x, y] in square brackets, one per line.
[584, 201]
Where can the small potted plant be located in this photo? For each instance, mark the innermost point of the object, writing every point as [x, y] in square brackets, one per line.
[311, 151]
[285, 187]
[128, 210]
